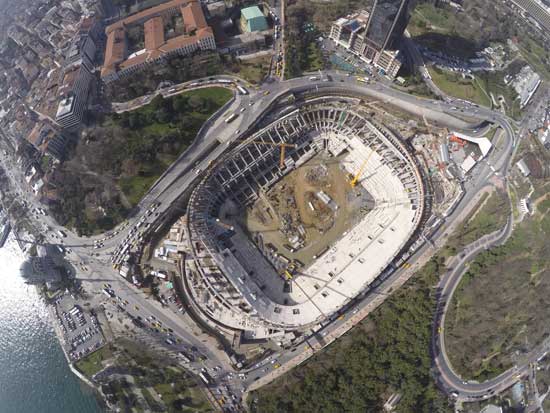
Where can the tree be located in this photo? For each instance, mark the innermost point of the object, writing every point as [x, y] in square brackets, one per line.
[134, 120]
[157, 102]
[195, 102]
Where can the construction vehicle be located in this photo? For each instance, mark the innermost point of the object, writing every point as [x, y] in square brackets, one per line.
[224, 225]
[355, 179]
[289, 271]
[282, 146]
[454, 138]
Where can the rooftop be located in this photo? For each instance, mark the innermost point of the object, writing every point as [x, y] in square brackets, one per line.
[252, 12]
[156, 44]
[65, 106]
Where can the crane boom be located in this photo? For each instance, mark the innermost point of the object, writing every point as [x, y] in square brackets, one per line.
[355, 179]
[282, 146]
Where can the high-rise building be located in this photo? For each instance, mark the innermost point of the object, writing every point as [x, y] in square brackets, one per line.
[387, 22]
[351, 33]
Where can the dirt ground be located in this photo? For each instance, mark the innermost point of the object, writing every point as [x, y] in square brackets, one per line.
[292, 207]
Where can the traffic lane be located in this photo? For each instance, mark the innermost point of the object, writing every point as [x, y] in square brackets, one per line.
[449, 282]
[479, 390]
[146, 309]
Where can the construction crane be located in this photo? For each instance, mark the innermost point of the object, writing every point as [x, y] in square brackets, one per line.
[355, 179]
[281, 145]
[289, 271]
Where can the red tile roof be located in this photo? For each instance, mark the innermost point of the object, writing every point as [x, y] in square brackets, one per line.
[155, 42]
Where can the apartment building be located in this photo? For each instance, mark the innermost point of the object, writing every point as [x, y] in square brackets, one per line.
[73, 92]
[196, 35]
[374, 36]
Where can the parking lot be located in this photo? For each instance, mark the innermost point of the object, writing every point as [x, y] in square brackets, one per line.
[80, 327]
[342, 59]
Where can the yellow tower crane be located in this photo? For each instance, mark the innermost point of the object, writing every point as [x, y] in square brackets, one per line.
[355, 179]
[281, 145]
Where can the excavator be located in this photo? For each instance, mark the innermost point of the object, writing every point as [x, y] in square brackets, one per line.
[289, 271]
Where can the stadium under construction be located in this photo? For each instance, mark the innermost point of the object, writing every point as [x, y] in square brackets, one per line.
[239, 281]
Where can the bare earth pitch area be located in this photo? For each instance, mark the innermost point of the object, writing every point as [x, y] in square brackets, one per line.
[308, 210]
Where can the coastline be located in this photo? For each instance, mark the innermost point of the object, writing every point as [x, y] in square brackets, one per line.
[100, 397]
[98, 394]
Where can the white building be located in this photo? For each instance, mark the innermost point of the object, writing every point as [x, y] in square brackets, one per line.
[350, 32]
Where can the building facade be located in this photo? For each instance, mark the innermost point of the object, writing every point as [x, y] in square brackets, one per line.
[74, 92]
[197, 35]
[374, 36]
[386, 25]
[253, 20]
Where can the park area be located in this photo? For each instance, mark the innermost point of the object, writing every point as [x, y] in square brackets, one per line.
[500, 310]
[116, 162]
[454, 84]
[151, 382]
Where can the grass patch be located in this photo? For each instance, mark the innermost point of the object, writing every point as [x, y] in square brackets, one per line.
[535, 55]
[490, 215]
[166, 392]
[491, 133]
[455, 85]
[428, 18]
[152, 372]
[493, 82]
[252, 70]
[92, 363]
[135, 187]
[149, 398]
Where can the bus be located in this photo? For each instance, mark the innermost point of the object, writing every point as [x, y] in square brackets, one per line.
[242, 90]
[231, 118]
[204, 378]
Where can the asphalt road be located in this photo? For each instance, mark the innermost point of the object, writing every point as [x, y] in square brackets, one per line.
[97, 268]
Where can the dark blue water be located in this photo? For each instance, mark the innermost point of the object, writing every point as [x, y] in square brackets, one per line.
[34, 375]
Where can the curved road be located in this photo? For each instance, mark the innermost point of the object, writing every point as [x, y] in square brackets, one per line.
[95, 262]
[447, 377]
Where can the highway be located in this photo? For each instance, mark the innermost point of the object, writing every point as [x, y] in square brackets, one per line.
[95, 262]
